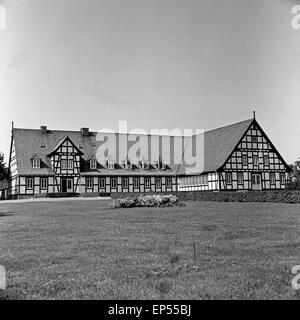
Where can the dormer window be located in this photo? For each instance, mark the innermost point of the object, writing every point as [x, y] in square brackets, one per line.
[144, 164]
[160, 164]
[93, 164]
[127, 164]
[36, 163]
[111, 165]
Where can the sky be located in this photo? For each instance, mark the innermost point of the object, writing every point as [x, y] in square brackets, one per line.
[196, 64]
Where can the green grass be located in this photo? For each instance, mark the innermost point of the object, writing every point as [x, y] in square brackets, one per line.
[206, 250]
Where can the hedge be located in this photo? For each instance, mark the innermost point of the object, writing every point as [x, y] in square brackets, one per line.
[276, 196]
[157, 200]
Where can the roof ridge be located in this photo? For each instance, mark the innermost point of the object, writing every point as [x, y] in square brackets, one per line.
[151, 134]
[226, 126]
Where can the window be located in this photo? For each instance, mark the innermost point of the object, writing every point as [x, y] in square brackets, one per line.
[102, 183]
[147, 182]
[111, 165]
[266, 160]
[136, 182]
[93, 164]
[70, 164]
[125, 182]
[113, 182]
[255, 160]
[272, 178]
[36, 163]
[42, 144]
[228, 178]
[240, 177]
[169, 182]
[126, 164]
[144, 165]
[44, 183]
[244, 160]
[29, 183]
[63, 164]
[282, 178]
[254, 138]
[158, 182]
[69, 184]
[255, 179]
[89, 183]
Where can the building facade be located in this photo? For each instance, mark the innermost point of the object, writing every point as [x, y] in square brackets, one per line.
[237, 157]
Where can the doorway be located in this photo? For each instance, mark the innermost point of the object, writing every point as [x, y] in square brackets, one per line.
[66, 185]
[256, 181]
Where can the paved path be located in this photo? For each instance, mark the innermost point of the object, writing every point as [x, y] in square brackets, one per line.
[54, 199]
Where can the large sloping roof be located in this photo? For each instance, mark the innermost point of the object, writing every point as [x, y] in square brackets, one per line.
[218, 144]
[28, 142]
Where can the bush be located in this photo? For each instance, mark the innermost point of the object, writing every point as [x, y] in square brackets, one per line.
[146, 201]
[123, 203]
[271, 196]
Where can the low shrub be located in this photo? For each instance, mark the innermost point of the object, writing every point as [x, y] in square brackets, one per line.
[146, 201]
[123, 203]
[271, 196]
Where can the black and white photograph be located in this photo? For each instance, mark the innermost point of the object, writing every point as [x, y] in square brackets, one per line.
[149, 151]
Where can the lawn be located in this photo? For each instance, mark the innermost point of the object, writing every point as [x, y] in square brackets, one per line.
[206, 250]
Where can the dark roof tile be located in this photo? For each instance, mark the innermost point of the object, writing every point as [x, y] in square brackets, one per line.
[217, 143]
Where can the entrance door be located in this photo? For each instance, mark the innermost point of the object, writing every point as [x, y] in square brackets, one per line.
[66, 185]
[63, 185]
[256, 181]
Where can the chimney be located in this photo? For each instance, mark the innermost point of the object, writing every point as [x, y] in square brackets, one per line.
[44, 129]
[85, 131]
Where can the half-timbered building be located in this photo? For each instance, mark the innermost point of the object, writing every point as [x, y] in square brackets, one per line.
[238, 157]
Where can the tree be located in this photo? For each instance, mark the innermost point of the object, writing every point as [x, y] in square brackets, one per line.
[3, 168]
[295, 175]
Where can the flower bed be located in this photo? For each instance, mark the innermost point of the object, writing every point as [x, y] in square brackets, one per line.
[146, 201]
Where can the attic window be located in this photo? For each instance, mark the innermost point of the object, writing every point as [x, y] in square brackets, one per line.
[93, 164]
[127, 164]
[160, 165]
[111, 165]
[36, 163]
[144, 164]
